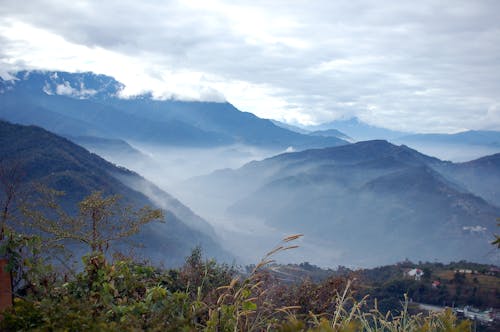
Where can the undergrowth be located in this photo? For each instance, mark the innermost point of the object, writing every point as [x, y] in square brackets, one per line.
[123, 295]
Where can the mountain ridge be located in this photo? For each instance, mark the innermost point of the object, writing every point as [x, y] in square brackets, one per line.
[95, 100]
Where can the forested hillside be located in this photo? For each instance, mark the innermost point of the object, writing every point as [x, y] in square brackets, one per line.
[59, 164]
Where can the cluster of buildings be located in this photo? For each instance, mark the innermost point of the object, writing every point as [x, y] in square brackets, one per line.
[483, 316]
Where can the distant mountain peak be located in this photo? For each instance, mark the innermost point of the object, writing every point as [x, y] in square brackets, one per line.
[358, 129]
[353, 120]
[332, 133]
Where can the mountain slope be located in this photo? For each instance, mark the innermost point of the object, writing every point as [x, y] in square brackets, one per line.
[480, 176]
[89, 105]
[88, 117]
[63, 165]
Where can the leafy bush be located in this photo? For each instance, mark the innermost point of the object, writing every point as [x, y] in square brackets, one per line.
[124, 295]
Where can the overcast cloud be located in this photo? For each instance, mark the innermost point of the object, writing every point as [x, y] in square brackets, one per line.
[407, 65]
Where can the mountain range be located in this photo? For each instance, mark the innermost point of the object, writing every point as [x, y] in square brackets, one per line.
[85, 104]
[367, 203]
[460, 146]
[374, 197]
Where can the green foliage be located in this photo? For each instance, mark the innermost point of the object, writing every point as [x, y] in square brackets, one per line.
[124, 295]
[119, 296]
[201, 277]
[100, 221]
[28, 266]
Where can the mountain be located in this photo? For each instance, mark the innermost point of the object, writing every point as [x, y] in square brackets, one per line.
[63, 165]
[358, 130]
[331, 133]
[85, 104]
[369, 197]
[62, 103]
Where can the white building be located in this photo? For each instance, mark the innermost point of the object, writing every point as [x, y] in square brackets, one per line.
[415, 273]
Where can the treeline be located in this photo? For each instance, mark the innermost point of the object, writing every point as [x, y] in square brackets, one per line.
[452, 284]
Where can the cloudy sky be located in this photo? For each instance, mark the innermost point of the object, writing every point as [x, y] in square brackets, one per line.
[409, 65]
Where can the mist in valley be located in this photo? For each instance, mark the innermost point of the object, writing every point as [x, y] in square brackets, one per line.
[167, 165]
[247, 238]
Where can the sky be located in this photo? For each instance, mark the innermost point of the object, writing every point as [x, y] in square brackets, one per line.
[420, 66]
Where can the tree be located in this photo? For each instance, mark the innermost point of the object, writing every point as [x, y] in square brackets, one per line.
[99, 221]
[427, 273]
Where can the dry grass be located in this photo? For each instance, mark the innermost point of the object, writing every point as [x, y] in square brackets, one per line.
[244, 306]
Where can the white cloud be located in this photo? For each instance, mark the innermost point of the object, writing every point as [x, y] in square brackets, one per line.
[423, 66]
[66, 89]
